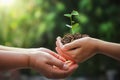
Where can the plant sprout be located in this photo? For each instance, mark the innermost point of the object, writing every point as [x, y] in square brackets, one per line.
[75, 27]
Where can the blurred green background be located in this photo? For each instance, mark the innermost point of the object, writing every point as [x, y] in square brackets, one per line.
[37, 23]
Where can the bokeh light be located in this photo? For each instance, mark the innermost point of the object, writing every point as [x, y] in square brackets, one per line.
[7, 3]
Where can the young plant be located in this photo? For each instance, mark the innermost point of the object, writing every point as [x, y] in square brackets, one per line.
[75, 27]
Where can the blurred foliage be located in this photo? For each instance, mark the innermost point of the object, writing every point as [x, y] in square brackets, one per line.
[35, 23]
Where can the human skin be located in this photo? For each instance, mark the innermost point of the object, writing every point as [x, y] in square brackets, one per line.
[40, 59]
[84, 48]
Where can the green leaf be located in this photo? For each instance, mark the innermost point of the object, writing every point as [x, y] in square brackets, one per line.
[68, 15]
[75, 13]
[75, 28]
[68, 25]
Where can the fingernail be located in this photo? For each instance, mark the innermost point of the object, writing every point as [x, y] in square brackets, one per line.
[65, 67]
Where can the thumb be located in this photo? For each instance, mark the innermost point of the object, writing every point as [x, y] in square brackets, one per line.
[71, 45]
[58, 63]
[53, 54]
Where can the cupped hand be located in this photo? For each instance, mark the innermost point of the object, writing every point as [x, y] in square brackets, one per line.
[44, 60]
[80, 49]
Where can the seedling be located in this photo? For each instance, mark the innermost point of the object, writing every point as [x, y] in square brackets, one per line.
[75, 27]
[74, 35]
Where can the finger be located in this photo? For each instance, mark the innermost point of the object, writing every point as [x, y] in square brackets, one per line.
[58, 63]
[61, 58]
[56, 73]
[49, 51]
[79, 55]
[65, 55]
[71, 45]
[62, 73]
[75, 52]
[74, 55]
[60, 52]
[53, 53]
[58, 42]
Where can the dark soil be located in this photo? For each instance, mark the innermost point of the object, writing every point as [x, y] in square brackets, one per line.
[71, 37]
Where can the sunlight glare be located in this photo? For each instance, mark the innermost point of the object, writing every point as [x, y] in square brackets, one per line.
[6, 2]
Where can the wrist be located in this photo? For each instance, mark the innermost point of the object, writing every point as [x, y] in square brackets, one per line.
[26, 59]
[30, 53]
[96, 43]
[30, 58]
[99, 45]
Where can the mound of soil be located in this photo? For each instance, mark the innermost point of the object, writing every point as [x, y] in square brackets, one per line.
[71, 37]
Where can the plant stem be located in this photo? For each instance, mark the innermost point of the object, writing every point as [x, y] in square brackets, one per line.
[71, 21]
[71, 25]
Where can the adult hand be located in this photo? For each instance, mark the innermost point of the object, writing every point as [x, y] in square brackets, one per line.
[44, 61]
[80, 49]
